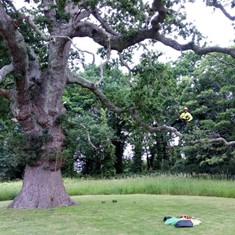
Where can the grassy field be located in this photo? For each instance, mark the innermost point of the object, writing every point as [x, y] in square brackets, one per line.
[127, 206]
[139, 214]
[164, 184]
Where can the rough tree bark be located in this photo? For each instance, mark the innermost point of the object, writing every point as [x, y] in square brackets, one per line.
[37, 107]
[42, 188]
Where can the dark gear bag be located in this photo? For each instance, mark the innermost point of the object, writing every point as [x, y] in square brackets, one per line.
[184, 223]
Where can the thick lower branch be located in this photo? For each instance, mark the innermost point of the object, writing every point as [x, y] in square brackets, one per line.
[5, 70]
[95, 89]
[215, 140]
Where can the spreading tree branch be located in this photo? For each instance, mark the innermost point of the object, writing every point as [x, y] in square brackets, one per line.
[5, 70]
[119, 43]
[123, 63]
[215, 140]
[104, 64]
[222, 61]
[74, 79]
[223, 10]
[88, 137]
[37, 30]
[133, 112]
[152, 129]
[104, 36]
[104, 24]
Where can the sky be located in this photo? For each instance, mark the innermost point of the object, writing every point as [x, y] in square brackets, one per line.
[214, 24]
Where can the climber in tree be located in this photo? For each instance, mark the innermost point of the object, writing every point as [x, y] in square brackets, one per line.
[183, 119]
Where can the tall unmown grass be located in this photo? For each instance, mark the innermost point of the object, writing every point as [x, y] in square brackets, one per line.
[161, 184]
[9, 190]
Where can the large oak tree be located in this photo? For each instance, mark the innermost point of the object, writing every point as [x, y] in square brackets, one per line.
[38, 82]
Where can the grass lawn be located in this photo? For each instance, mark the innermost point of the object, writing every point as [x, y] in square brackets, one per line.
[138, 214]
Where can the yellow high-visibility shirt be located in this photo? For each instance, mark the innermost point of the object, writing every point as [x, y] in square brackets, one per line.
[186, 115]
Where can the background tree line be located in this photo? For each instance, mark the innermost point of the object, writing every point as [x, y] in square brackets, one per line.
[97, 138]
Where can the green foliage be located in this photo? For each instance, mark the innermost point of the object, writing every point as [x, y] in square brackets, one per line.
[138, 152]
[229, 115]
[154, 89]
[186, 64]
[60, 7]
[176, 23]
[207, 124]
[210, 91]
[89, 3]
[89, 137]
[107, 169]
[115, 11]
[25, 149]
[92, 145]
[10, 165]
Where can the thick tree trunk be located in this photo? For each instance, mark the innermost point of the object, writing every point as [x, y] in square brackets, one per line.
[119, 149]
[42, 188]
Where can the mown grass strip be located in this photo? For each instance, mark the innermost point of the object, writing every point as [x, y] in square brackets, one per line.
[122, 215]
